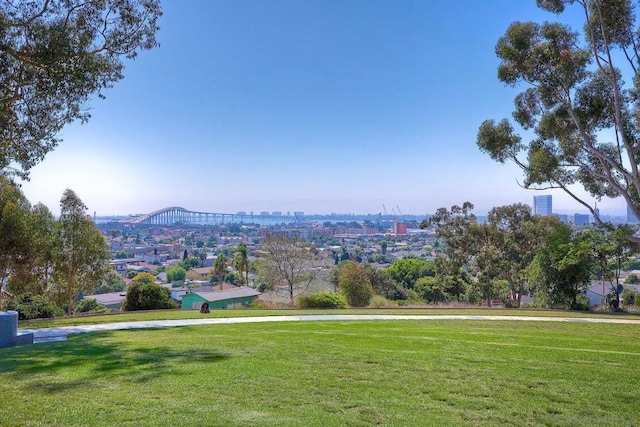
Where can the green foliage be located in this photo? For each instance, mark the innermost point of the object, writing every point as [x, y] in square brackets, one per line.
[407, 270]
[631, 264]
[561, 271]
[144, 294]
[385, 286]
[144, 278]
[629, 297]
[322, 300]
[241, 262]
[431, 289]
[220, 268]
[81, 252]
[176, 274]
[56, 55]
[30, 306]
[632, 279]
[190, 262]
[265, 287]
[110, 282]
[90, 306]
[578, 102]
[211, 242]
[355, 283]
[378, 301]
[377, 258]
[231, 277]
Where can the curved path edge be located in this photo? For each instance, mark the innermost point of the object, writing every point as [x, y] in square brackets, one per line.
[60, 333]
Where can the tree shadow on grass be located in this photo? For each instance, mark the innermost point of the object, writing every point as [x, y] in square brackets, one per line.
[87, 358]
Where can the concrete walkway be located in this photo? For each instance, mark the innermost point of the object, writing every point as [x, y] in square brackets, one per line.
[60, 333]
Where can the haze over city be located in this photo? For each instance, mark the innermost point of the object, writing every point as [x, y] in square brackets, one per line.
[317, 106]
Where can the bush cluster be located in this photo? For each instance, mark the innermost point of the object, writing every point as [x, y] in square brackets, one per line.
[30, 306]
[323, 300]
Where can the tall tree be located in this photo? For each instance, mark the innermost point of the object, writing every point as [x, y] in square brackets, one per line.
[290, 260]
[56, 54]
[241, 262]
[82, 252]
[517, 242]
[584, 116]
[14, 208]
[32, 272]
[562, 268]
[220, 268]
[611, 249]
[470, 244]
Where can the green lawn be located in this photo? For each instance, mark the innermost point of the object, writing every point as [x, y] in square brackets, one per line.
[403, 373]
[195, 314]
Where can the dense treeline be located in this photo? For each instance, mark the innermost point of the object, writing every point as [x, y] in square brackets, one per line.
[47, 261]
[511, 255]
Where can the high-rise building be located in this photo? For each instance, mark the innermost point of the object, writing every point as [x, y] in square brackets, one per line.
[580, 219]
[631, 217]
[542, 205]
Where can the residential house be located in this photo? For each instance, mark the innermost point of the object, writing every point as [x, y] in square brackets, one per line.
[112, 300]
[201, 273]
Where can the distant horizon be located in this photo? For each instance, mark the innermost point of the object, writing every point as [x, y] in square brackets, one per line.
[316, 106]
[477, 212]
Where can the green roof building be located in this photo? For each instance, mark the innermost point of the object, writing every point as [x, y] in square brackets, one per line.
[230, 298]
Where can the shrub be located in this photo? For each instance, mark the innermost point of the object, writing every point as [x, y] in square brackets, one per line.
[355, 283]
[90, 306]
[176, 273]
[629, 297]
[256, 304]
[378, 301]
[30, 306]
[323, 300]
[147, 296]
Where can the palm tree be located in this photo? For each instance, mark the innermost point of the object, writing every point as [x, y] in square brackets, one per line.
[241, 262]
[220, 268]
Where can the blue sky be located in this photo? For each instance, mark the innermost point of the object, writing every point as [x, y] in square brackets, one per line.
[314, 106]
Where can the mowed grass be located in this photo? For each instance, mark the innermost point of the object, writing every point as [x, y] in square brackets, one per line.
[330, 373]
[135, 316]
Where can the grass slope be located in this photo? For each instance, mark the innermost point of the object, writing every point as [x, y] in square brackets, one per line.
[134, 316]
[403, 373]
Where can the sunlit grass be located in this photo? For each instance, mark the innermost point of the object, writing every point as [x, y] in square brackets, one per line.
[330, 374]
[195, 314]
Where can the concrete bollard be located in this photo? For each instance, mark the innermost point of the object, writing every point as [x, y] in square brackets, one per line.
[8, 328]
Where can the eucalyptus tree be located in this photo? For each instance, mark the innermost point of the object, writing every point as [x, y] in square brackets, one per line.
[81, 252]
[54, 56]
[33, 271]
[14, 209]
[562, 268]
[580, 100]
[470, 244]
[518, 241]
[611, 250]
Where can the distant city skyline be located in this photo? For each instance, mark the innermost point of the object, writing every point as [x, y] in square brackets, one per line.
[316, 106]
